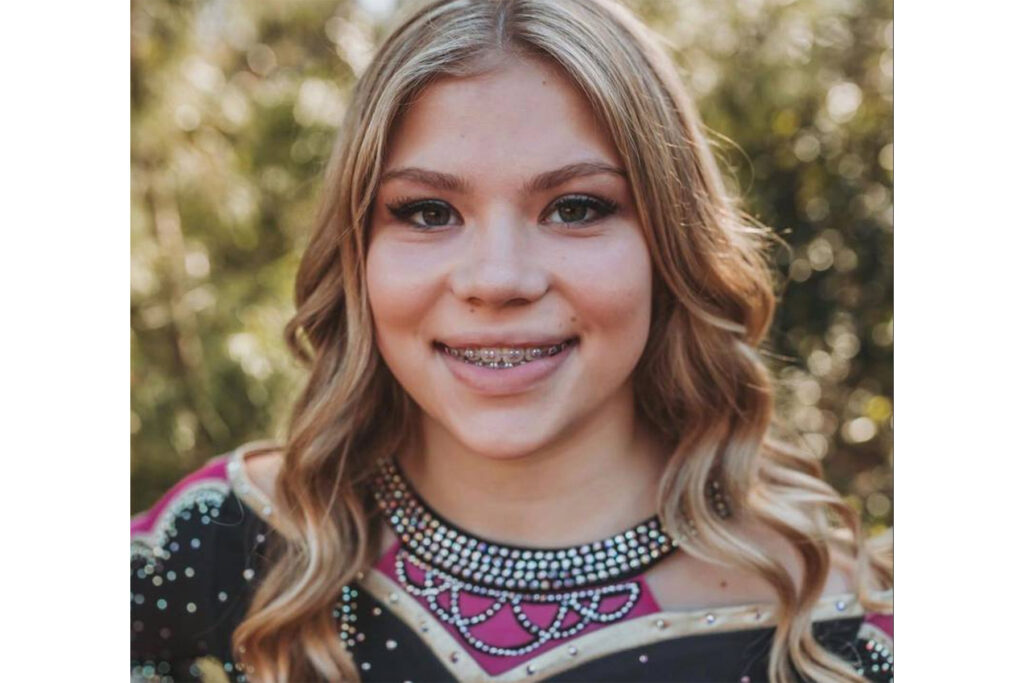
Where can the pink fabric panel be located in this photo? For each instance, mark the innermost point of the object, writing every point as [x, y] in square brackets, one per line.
[214, 469]
[502, 629]
[881, 621]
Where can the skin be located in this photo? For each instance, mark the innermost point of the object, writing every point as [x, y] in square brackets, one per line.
[566, 461]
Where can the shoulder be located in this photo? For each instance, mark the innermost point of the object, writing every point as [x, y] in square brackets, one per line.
[195, 558]
[204, 489]
[243, 479]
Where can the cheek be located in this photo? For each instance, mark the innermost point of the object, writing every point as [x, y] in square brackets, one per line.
[402, 284]
[611, 291]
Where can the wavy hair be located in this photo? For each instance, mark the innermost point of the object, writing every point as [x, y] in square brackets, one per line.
[701, 381]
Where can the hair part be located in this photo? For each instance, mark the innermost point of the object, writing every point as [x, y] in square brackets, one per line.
[701, 382]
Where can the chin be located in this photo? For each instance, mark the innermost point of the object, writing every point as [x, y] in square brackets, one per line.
[501, 441]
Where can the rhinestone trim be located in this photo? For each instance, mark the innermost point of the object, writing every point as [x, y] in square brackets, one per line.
[440, 545]
[584, 604]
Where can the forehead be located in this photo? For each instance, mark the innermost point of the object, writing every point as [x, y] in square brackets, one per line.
[524, 115]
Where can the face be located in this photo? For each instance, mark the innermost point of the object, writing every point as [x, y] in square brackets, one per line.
[508, 278]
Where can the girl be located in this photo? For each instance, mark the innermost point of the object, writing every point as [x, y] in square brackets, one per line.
[534, 443]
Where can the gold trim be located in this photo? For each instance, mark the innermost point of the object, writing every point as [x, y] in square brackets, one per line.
[625, 635]
[243, 486]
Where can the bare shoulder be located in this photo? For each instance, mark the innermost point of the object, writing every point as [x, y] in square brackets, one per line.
[684, 582]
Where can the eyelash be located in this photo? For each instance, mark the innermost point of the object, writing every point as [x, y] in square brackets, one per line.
[406, 207]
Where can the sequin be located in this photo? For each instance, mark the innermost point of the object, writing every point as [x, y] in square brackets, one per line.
[390, 644]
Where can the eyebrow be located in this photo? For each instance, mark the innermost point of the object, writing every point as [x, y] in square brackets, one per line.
[539, 183]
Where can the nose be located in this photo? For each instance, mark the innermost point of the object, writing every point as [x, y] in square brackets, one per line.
[499, 266]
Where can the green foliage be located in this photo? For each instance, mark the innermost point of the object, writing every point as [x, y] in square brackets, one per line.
[234, 106]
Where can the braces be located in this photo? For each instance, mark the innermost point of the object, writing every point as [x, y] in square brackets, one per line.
[504, 358]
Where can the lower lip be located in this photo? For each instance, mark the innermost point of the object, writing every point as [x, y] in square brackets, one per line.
[505, 382]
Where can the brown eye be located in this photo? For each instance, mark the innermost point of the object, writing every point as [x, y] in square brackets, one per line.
[572, 212]
[430, 213]
[579, 210]
[435, 215]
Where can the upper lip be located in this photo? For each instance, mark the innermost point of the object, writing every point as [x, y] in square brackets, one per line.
[493, 339]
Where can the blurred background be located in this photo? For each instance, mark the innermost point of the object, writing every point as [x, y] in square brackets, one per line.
[234, 108]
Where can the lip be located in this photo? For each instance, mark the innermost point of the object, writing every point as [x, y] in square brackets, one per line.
[506, 382]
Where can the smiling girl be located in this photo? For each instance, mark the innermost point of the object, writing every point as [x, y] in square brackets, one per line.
[535, 442]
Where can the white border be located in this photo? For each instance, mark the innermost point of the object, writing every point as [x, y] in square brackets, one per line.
[959, 264]
[65, 297]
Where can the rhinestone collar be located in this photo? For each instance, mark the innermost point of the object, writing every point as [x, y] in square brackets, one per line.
[438, 543]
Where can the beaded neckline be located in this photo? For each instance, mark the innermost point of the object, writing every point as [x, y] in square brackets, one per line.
[436, 542]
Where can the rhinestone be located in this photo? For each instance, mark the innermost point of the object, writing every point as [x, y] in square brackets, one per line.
[453, 657]
[392, 597]
[643, 659]
[660, 624]
[710, 618]
[390, 644]
[248, 574]
[376, 611]
[365, 666]
[841, 605]
[531, 669]
[190, 607]
[573, 651]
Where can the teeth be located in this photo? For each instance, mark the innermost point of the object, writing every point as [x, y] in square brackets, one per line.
[503, 357]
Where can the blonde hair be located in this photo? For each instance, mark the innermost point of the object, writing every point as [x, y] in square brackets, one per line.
[701, 381]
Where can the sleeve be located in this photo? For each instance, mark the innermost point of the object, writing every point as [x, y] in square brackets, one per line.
[182, 594]
[874, 648]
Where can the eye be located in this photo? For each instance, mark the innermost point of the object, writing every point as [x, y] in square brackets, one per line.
[578, 209]
[423, 213]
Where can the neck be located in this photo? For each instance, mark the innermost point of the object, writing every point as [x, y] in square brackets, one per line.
[595, 480]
